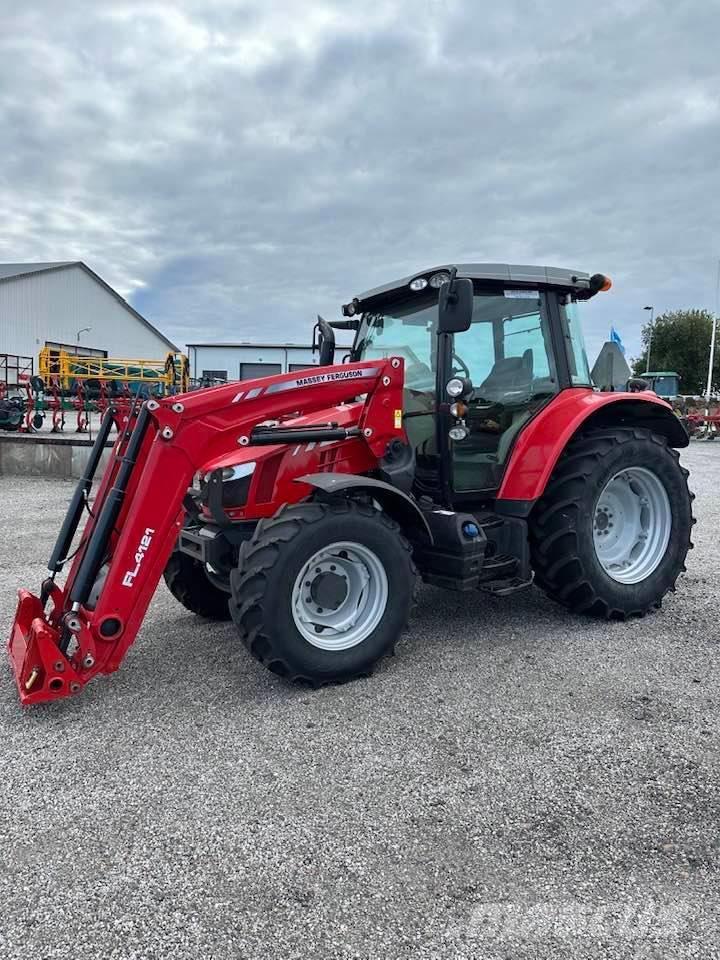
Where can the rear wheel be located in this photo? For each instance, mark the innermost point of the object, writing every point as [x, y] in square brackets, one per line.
[610, 534]
[323, 590]
[188, 582]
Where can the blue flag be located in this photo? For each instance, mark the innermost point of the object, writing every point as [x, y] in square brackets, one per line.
[616, 338]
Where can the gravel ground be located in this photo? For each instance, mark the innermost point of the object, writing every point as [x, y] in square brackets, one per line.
[516, 782]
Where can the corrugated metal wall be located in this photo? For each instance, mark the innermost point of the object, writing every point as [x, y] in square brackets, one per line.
[55, 305]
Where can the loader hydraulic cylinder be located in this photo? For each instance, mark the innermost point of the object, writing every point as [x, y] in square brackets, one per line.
[100, 536]
[74, 513]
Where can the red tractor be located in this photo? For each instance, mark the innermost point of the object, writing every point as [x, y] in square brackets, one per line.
[462, 441]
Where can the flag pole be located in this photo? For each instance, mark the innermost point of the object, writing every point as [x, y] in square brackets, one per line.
[712, 344]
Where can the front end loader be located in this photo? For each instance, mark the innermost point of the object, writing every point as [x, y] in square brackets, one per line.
[463, 442]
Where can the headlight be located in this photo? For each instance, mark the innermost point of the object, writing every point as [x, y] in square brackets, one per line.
[458, 432]
[419, 283]
[237, 472]
[438, 279]
[235, 484]
[455, 387]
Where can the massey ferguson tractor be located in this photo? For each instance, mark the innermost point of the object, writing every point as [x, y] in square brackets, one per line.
[462, 441]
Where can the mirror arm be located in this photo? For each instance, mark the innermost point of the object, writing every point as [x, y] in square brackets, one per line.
[451, 294]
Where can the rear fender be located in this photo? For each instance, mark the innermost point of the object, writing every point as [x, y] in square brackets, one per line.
[393, 501]
[542, 442]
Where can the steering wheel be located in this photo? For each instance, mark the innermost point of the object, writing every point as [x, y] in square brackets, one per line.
[462, 367]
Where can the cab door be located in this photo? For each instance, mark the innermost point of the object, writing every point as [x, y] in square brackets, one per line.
[508, 353]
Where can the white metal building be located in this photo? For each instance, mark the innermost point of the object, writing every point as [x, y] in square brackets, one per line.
[243, 361]
[67, 305]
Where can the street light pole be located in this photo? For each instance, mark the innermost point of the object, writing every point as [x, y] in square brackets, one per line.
[84, 330]
[652, 313]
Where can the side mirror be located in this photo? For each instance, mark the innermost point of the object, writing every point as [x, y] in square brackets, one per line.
[455, 306]
[324, 342]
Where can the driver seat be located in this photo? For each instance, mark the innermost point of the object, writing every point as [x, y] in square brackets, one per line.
[509, 377]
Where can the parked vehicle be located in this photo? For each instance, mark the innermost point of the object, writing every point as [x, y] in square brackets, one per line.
[462, 441]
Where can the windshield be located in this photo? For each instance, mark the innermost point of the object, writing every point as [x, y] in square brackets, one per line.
[665, 386]
[407, 331]
[507, 348]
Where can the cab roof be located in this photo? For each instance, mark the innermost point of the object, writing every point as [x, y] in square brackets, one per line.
[507, 273]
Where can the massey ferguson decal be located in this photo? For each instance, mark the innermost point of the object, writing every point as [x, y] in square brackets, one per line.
[311, 381]
[142, 548]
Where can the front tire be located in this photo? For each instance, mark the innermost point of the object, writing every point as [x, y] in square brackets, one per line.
[323, 590]
[188, 582]
[610, 534]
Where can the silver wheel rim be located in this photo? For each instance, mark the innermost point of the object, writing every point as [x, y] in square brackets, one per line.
[339, 596]
[632, 524]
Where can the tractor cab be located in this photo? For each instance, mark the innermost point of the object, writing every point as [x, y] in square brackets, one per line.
[665, 383]
[469, 392]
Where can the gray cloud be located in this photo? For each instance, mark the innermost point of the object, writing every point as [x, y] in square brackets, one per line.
[234, 168]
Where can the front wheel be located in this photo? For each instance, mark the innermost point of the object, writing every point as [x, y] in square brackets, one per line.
[323, 590]
[610, 534]
[188, 581]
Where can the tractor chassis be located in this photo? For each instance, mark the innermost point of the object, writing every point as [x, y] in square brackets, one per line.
[465, 551]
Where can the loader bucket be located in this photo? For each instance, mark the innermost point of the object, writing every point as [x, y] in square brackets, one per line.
[41, 671]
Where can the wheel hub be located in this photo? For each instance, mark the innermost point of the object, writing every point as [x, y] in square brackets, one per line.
[340, 596]
[632, 525]
[328, 590]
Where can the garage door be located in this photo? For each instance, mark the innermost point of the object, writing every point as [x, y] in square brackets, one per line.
[250, 371]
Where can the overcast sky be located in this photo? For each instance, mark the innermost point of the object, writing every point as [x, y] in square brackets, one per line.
[234, 168]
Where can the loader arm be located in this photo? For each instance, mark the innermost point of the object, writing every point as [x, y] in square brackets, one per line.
[139, 509]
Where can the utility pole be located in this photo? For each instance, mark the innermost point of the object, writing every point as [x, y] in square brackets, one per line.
[652, 314]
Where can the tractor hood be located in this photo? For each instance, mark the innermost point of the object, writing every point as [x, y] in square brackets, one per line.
[344, 415]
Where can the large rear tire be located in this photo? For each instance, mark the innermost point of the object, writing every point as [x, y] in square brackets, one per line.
[323, 590]
[188, 582]
[610, 534]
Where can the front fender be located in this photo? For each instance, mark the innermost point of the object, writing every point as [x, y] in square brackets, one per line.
[542, 442]
[395, 503]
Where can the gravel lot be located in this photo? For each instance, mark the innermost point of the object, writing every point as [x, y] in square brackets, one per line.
[516, 782]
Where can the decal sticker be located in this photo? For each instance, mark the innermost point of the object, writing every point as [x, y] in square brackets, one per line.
[322, 378]
[521, 294]
[142, 548]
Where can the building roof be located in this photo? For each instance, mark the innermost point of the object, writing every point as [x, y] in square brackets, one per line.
[248, 343]
[16, 271]
[262, 346]
[8, 271]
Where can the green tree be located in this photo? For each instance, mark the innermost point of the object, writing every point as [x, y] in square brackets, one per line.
[681, 342]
